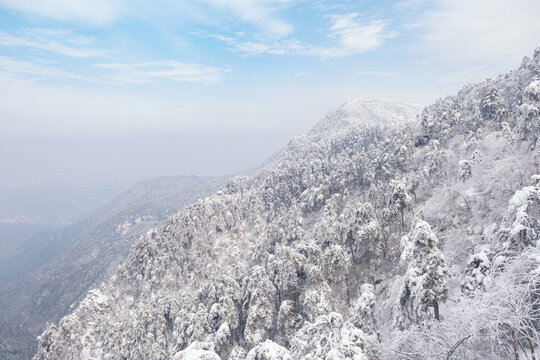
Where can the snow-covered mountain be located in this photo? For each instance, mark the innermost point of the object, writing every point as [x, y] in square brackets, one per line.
[92, 249]
[376, 236]
[367, 113]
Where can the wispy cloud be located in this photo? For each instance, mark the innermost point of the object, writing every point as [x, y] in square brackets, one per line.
[31, 71]
[357, 36]
[59, 41]
[69, 44]
[13, 69]
[351, 34]
[375, 73]
[261, 13]
[141, 73]
[96, 12]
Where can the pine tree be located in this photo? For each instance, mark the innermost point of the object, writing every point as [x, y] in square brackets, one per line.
[399, 199]
[465, 170]
[329, 337]
[259, 305]
[424, 283]
[477, 273]
[364, 310]
[493, 106]
[528, 126]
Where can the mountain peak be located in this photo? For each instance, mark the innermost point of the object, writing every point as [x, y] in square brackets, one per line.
[368, 113]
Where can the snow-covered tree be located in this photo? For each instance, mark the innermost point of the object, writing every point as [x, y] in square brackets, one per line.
[399, 199]
[507, 132]
[269, 350]
[477, 275]
[329, 337]
[465, 170]
[507, 315]
[197, 351]
[365, 238]
[289, 320]
[436, 163]
[337, 263]
[521, 225]
[364, 310]
[528, 126]
[493, 106]
[303, 269]
[423, 286]
[259, 305]
[285, 270]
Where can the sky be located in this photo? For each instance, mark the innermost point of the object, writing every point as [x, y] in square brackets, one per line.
[109, 89]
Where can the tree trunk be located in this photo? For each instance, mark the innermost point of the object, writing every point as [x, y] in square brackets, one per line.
[348, 291]
[533, 357]
[402, 210]
[514, 345]
[436, 310]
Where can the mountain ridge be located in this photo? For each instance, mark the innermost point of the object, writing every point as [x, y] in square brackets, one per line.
[361, 242]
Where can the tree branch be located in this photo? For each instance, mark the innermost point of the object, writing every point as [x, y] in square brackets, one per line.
[456, 345]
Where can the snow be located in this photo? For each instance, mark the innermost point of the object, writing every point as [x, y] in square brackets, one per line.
[269, 350]
[272, 265]
[197, 351]
[533, 90]
[367, 113]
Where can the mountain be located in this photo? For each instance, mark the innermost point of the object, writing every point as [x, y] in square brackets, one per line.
[367, 113]
[378, 235]
[30, 215]
[86, 253]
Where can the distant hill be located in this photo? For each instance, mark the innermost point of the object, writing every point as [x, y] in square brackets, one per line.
[30, 215]
[83, 254]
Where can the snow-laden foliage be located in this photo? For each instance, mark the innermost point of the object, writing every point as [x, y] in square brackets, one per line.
[268, 350]
[363, 316]
[368, 238]
[477, 273]
[424, 282]
[197, 351]
[330, 337]
[520, 228]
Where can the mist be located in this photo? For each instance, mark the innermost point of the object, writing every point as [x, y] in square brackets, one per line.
[34, 161]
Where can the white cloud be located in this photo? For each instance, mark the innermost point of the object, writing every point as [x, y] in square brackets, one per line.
[96, 12]
[16, 70]
[351, 34]
[480, 31]
[356, 36]
[171, 70]
[62, 42]
[261, 13]
[67, 43]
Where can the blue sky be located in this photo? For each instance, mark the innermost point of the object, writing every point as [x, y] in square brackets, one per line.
[119, 67]
[176, 65]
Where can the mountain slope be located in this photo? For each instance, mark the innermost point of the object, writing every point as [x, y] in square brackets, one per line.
[92, 248]
[365, 240]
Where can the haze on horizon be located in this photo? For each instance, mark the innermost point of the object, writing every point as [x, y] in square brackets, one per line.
[126, 90]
